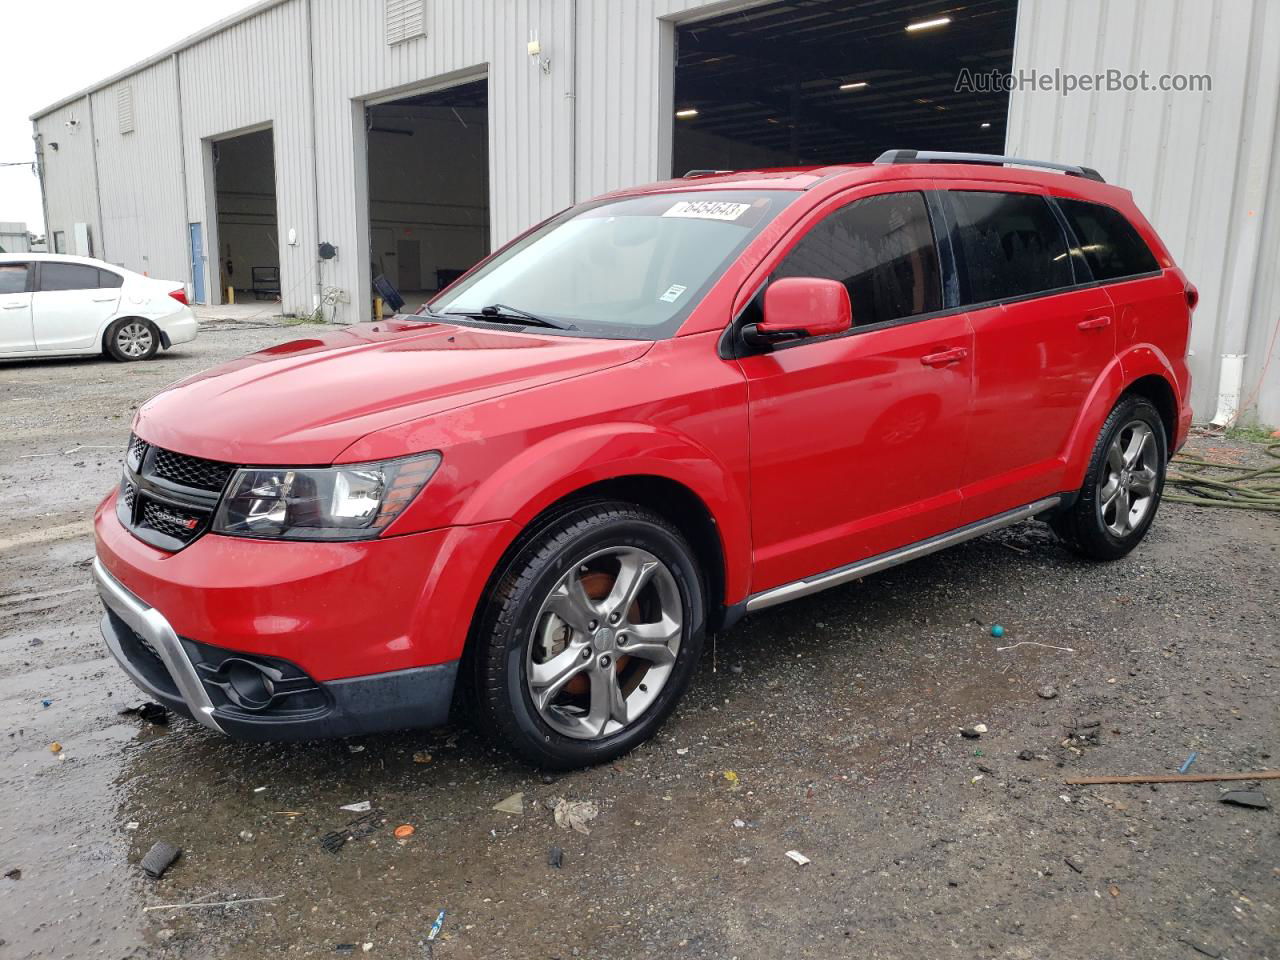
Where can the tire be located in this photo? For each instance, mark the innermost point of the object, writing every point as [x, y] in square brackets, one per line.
[560, 678]
[130, 339]
[1096, 525]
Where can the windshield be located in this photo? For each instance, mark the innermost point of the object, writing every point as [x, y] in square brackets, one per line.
[630, 268]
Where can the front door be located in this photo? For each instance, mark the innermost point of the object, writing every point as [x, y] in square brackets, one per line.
[16, 335]
[71, 304]
[857, 440]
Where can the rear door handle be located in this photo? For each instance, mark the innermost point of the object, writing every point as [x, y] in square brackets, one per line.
[1095, 323]
[14, 306]
[941, 359]
[104, 299]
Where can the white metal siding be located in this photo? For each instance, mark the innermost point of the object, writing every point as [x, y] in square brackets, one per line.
[70, 194]
[1203, 167]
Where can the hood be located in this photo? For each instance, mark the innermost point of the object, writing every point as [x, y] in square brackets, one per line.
[304, 402]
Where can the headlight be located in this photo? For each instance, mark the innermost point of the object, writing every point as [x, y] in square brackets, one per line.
[352, 502]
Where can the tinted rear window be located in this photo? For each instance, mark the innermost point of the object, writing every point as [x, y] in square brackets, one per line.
[68, 276]
[13, 277]
[1010, 244]
[1109, 242]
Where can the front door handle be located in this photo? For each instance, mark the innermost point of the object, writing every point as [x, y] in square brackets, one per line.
[1095, 323]
[945, 357]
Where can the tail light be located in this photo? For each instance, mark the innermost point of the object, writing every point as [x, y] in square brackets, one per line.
[1193, 296]
[180, 295]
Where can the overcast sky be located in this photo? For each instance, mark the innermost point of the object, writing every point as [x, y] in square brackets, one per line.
[55, 49]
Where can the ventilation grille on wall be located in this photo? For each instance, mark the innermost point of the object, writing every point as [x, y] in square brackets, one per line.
[124, 108]
[406, 19]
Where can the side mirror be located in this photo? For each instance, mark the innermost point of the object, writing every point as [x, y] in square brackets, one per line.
[798, 307]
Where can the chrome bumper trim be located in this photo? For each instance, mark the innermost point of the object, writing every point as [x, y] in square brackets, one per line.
[855, 571]
[149, 623]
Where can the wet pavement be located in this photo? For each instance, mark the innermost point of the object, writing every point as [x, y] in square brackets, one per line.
[829, 726]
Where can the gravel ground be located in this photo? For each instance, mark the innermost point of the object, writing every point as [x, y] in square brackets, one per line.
[829, 726]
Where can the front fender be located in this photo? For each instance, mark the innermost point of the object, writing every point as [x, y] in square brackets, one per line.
[560, 465]
[1138, 361]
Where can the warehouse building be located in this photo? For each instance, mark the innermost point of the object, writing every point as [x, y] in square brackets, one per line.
[302, 148]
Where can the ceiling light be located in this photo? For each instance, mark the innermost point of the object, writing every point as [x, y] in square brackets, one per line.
[687, 112]
[853, 86]
[928, 24]
[986, 126]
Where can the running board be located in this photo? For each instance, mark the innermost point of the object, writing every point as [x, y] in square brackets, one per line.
[883, 561]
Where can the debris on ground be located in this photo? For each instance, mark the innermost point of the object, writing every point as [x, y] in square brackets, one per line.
[361, 807]
[46, 702]
[512, 804]
[1047, 692]
[800, 859]
[1176, 778]
[246, 836]
[997, 630]
[422, 757]
[1026, 755]
[212, 903]
[1084, 732]
[55, 747]
[356, 829]
[1253, 799]
[436, 927]
[150, 711]
[1186, 764]
[1074, 863]
[974, 732]
[403, 831]
[159, 859]
[555, 857]
[574, 813]
[14, 873]
[731, 776]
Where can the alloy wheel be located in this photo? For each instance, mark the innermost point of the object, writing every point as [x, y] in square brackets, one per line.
[134, 340]
[1127, 486]
[604, 643]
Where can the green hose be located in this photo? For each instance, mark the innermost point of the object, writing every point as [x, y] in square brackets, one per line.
[1208, 484]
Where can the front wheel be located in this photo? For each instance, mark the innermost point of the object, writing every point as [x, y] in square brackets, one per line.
[131, 338]
[591, 636]
[1123, 486]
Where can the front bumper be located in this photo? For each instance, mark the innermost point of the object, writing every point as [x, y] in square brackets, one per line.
[188, 677]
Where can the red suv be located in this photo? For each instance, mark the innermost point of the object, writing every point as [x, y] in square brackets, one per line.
[640, 420]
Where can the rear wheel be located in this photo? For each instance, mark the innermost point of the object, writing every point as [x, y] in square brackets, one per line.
[132, 338]
[1122, 489]
[591, 636]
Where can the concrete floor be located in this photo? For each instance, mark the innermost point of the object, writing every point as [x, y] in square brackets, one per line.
[838, 717]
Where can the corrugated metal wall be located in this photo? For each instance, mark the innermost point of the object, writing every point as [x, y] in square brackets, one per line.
[1204, 167]
[140, 175]
[71, 196]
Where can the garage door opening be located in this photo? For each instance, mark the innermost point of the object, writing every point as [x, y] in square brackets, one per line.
[815, 82]
[244, 176]
[428, 188]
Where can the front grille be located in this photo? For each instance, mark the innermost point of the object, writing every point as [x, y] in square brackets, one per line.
[167, 499]
[191, 471]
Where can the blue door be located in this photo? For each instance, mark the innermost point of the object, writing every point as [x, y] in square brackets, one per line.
[197, 262]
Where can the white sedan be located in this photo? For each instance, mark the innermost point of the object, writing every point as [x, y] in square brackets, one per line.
[55, 305]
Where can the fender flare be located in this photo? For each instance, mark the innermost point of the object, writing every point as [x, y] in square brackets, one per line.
[1138, 361]
[537, 478]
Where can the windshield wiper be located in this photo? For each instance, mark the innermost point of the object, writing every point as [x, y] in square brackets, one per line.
[501, 312]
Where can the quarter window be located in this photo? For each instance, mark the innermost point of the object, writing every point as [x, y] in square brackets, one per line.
[1109, 242]
[68, 276]
[1011, 245]
[109, 280]
[882, 249]
[13, 278]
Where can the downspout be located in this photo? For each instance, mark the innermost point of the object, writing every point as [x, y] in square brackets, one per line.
[572, 96]
[101, 253]
[38, 138]
[185, 226]
[317, 298]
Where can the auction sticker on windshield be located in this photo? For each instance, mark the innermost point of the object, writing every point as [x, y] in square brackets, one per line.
[708, 209]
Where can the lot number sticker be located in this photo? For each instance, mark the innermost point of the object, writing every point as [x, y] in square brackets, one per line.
[708, 209]
[673, 293]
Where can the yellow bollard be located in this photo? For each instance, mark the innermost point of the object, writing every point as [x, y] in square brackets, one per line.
[377, 308]
[231, 296]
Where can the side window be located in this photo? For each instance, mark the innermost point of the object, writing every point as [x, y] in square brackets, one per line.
[1109, 242]
[1010, 245]
[68, 276]
[881, 248]
[109, 280]
[13, 277]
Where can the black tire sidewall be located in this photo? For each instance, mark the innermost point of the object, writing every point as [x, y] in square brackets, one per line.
[538, 573]
[1091, 532]
[113, 331]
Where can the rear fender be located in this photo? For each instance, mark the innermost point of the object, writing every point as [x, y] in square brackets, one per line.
[559, 466]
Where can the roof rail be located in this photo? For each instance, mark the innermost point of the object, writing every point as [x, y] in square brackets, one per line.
[705, 173]
[942, 156]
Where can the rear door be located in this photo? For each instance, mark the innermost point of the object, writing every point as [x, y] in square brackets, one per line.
[16, 335]
[1042, 338]
[857, 440]
[71, 303]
